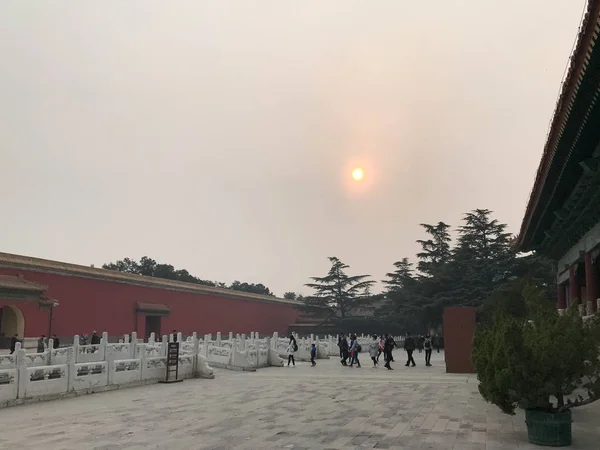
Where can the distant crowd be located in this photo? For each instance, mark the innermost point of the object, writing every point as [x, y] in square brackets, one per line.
[379, 345]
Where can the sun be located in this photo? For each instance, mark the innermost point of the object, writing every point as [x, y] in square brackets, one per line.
[358, 174]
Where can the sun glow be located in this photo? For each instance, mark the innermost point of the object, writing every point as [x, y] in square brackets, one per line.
[358, 174]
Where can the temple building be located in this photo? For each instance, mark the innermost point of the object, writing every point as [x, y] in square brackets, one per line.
[562, 219]
[42, 297]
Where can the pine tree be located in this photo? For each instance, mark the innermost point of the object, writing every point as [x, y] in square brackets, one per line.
[401, 278]
[483, 258]
[400, 293]
[435, 251]
[338, 294]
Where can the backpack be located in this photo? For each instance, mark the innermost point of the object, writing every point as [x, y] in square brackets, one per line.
[295, 346]
[359, 348]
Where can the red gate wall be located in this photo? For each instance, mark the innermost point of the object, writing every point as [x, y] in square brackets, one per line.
[459, 328]
[93, 304]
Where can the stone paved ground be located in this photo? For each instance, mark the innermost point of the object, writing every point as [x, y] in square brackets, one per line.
[326, 407]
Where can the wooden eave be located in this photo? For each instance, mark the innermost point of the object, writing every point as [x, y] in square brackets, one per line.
[573, 130]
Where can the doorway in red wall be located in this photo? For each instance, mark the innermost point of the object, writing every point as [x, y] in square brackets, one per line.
[153, 326]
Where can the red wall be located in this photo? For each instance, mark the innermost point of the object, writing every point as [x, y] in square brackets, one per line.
[459, 328]
[88, 304]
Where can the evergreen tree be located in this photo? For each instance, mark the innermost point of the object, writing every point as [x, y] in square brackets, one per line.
[435, 251]
[401, 278]
[483, 259]
[337, 294]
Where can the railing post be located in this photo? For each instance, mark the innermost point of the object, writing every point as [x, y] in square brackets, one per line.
[141, 350]
[76, 347]
[218, 342]
[49, 349]
[132, 345]
[195, 351]
[22, 374]
[205, 348]
[71, 370]
[164, 345]
[103, 345]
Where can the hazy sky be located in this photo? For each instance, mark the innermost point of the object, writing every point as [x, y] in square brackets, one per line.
[219, 136]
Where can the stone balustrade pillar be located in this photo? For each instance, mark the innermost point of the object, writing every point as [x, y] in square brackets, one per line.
[133, 345]
[141, 351]
[72, 370]
[151, 339]
[163, 346]
[22, 377]
[50, 348]
[76, 347]
[206, 341]
[103, 345]
[218, 342]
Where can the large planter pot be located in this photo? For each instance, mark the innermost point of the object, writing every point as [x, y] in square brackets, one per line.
[550, 429]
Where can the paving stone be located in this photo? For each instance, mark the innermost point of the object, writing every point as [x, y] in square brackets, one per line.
[329, 406]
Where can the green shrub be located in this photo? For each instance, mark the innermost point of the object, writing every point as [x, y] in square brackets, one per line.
[541, 361]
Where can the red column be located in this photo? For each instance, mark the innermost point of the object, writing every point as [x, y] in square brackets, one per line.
[574, 288]
[591, 281]
[562, 297]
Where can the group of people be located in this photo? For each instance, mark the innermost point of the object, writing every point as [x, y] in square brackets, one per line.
[349, 351]
[293, 348]
[384, 344]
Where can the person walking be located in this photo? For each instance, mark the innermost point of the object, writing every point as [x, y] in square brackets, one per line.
[291, 351]
[409, 346]
[55, 341]
[428, 349]
[345, 350]
[374, 350]
[387, 351]
[392, 344]
[381, 348]
[40, 344]
[313, 355]
[354, 350]
[13, 343]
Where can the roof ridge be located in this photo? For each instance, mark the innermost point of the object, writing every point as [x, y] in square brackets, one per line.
[586, 39]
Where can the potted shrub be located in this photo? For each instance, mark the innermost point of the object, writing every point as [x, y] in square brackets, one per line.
[543, 362]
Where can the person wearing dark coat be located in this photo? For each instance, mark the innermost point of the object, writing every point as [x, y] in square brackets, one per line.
[409, 346]
[41, 348]
[55, 341]
[13, 343]
[345, 350]
[387, 351]
[95, 339]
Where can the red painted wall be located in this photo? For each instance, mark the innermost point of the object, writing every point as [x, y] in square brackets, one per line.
[459, 328]
[88, 304]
